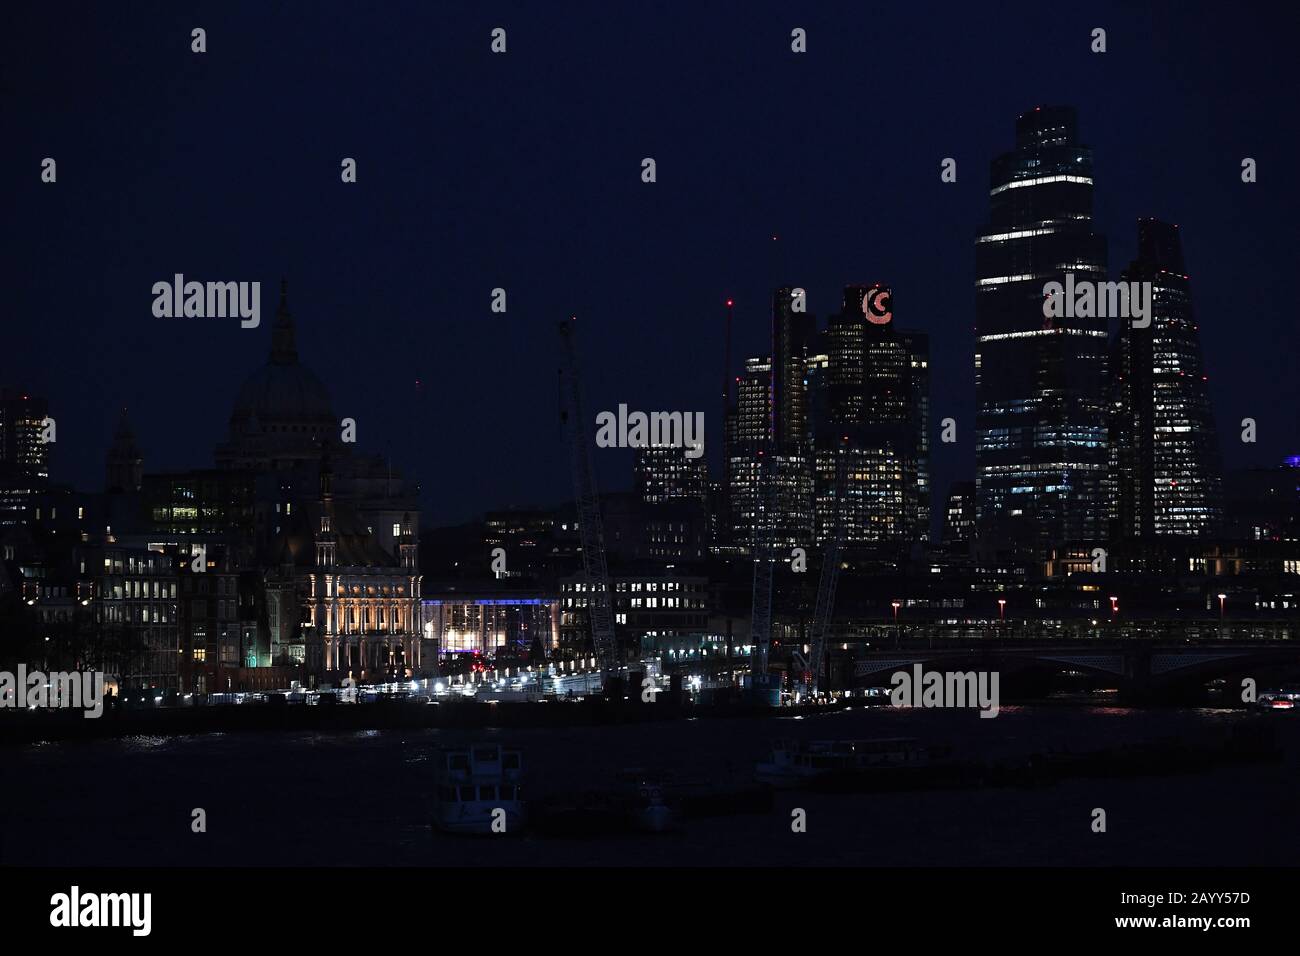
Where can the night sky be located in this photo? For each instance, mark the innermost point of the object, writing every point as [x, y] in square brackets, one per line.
[523, 171]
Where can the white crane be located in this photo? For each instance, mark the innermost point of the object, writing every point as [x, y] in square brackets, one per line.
[594, 564]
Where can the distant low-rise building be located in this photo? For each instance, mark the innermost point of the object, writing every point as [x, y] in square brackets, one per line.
[491, 622]
[650, 604]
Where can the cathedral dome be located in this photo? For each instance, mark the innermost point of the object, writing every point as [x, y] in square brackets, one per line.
[283, 391]
[277, 394]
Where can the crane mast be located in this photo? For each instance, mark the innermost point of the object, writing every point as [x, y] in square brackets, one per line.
[594, 563]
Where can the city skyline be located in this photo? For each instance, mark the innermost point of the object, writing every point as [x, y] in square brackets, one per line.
[734, 436]
[360, 289]
[816, 330]
[816, 335]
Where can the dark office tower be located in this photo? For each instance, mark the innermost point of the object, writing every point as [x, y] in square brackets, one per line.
[844, 403]
[749, 423]
[1263, 504]
[793, 330]
[1040, 383]
[1165, 446]
[22, 422]
[751, 455]
[24, 457]
[917, 345]
[718, 506]
[872, 433]
[750, 418]
[665, 473]
[818, 376]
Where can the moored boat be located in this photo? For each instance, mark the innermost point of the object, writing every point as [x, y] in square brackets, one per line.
[1286, 698]
[644, 803]
[479, 790]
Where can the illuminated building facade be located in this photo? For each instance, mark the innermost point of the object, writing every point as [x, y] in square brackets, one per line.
[517, 625]
[1164, 444]
[134, 598]
[333, 532]
[24, 457]
[670, 517]
[1041, 442]
[959, 513]
[21, 424]
[872, 425]
[873, 506]
[207, 501]
[663, 474]
[352, 607]
[650, 606]
[750, 456]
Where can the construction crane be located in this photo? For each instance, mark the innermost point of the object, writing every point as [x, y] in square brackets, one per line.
[594, 564]
[828, 580]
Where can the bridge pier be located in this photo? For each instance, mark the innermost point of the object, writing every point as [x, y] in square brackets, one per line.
[1137, 685]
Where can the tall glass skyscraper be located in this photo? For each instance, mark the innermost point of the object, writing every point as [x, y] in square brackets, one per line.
[792, 337]
[750, 428]
[1041, 444]
[1166, 462]
[873, 432]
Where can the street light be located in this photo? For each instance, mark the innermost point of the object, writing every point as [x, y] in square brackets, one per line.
[1222, 598]
[1114, 607]
[1002, 609]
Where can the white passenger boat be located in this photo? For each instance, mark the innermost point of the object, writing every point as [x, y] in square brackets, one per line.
[478, 790]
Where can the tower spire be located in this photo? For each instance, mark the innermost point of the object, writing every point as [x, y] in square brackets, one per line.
[284, 350]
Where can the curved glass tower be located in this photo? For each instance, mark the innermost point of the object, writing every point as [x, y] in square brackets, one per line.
[1041, 445]
[1168, 471]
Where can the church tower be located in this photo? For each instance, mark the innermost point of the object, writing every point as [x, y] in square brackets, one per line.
[124, 466]
[323, 649]
[407, 546]
[326, 536]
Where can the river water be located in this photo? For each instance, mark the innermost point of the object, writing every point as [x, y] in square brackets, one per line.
[363, 798]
